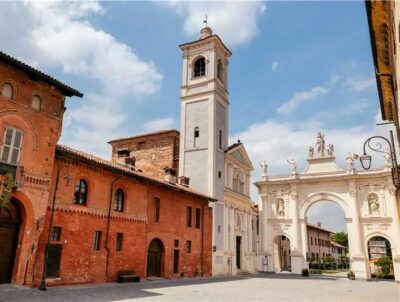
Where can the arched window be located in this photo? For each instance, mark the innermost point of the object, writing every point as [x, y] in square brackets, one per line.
[37, 102]
[196, 136]
[80, 193]
[119, 200]
[199, 67]
[7, 91]
[220, 70]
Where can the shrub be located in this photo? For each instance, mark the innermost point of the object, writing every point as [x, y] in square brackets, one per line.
[305, 273]
[351, 276]
[385, 267]
[315, 271]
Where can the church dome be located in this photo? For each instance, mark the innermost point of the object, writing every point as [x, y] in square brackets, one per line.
[205, 32]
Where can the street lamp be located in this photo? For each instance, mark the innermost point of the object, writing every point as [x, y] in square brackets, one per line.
[366, 159]
[68, 178]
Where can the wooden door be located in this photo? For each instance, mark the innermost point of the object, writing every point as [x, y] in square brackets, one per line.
[9, 231]
[53, 260]
[154, 258]
[238, 249]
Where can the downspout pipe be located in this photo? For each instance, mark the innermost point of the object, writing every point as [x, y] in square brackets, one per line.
[202, 241]
[109, 222]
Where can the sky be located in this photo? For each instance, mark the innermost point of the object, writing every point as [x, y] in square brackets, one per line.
[297, 68]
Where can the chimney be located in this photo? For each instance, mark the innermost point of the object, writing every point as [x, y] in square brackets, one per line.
[170, 175]
[319, 224]
[184, 181]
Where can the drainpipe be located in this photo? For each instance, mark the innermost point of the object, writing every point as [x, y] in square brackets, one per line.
[202, 241]
[108, 223]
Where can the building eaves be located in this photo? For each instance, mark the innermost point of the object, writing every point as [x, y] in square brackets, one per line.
[71, 153]
[37, 74]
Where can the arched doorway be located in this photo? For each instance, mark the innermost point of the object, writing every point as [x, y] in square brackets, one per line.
[326, 242]
[282, 253]
[10, 221]
[380, 257]
[154, 258]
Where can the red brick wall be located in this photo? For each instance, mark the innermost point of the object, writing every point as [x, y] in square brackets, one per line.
[41, 131]
[153, 152]
[80, 264]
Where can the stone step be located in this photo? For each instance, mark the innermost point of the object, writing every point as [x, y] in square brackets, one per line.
[243, 272]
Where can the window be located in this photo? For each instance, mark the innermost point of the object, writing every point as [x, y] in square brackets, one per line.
[198, 213]
[119, 200]
[55, 234]
[176, 243]
[220, 70]
[156, 210]
[118, 244]
[199, 67]
[97, 241]
[7, 91]
[80, 193]
[220, 139]
[311, 241]
[12, 144]
[189, 216]
[196, 136]
[37, 102]
[188, 246]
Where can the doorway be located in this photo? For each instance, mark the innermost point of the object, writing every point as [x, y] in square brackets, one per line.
[154, 258]
[10, 221]
[238, 249]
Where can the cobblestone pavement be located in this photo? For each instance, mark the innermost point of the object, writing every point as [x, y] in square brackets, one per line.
[261, 287]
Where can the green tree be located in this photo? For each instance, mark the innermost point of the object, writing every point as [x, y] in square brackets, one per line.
[341, 238]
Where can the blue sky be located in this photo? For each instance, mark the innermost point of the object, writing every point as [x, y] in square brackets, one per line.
[297, 68]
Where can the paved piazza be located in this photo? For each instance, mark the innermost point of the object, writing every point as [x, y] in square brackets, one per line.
[252, 288]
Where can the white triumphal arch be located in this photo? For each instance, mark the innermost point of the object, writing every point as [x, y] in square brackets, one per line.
[366, 197]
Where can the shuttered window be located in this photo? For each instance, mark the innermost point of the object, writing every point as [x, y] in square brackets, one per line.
[12, 145]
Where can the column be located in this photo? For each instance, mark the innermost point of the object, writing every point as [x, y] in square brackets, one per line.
[396, 234]
[358, 259]
[297, 257]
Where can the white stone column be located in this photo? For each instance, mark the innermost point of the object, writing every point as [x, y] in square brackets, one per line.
[358, 258]
[396, 226]
[297, 257]
[232, 229]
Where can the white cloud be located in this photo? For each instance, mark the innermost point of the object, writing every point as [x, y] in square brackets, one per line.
[159, 124]
[234, 21]
[360, 84]
[301, 97]
[274, 66]
[58, 35]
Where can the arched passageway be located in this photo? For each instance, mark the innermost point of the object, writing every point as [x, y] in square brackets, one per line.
[10, 221]
[155, 258]
[380, 257]
[282, 253]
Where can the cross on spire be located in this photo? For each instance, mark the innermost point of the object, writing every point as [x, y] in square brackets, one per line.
[205, 20]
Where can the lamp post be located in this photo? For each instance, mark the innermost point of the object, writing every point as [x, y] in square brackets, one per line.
[366, 159]
[68, 178]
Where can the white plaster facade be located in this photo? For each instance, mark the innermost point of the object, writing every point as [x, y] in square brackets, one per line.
[204, 155]
[351, 189]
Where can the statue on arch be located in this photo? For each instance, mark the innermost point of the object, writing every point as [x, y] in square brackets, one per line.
[373, 204]
[310, 152]
[330, 149]
[264, 169]
[350, 159]
[281, 207]
[388, 158]
[293, 165]
[320, 145]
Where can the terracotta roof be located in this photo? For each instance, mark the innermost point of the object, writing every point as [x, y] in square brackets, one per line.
[62, 150]
[210, 37]
[144, 135]
[318, 227]
[233, 146]
[66, 90]
[334, 243]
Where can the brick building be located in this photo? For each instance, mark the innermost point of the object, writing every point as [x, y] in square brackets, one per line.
[319, 241]
[106, 216]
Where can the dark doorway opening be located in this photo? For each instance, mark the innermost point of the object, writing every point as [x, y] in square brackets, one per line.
[10, 221]
[53, 260]
[238, 249]
[154, 258]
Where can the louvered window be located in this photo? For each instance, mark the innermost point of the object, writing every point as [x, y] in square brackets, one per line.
[12, 145]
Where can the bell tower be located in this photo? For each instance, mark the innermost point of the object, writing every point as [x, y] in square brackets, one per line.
[204, 113]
